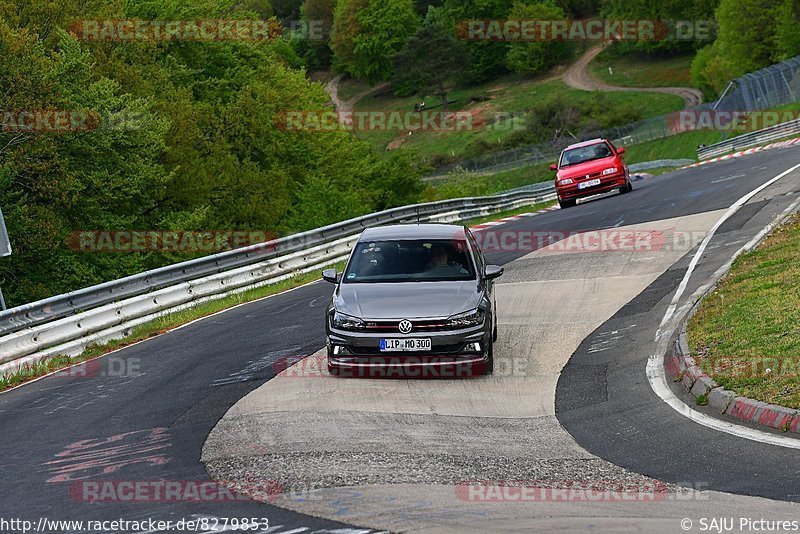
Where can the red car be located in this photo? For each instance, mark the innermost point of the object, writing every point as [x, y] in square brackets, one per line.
[589, 168]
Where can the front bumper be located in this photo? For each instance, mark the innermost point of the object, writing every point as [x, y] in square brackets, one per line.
[358, 354]
[607, 183]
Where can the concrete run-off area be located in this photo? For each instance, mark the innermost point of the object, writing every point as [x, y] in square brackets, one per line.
[393, 454]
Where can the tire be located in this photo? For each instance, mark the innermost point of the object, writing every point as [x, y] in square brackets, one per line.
[564, 204]
[333, 371]
[627, 189]
[488, 367]
[494, 330]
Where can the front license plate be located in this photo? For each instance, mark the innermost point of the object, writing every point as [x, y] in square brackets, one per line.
[398, 344]
[589, 183]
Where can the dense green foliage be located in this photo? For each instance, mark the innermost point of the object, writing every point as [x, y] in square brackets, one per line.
[199, 150]
[432, 58]
[535, 56]
[368, 33]
[730, 37]
[190, 135]
[752, 34]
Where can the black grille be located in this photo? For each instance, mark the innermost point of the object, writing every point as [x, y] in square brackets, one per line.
[437, 350]
[392, 327]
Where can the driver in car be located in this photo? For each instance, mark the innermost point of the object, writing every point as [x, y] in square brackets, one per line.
[440, 260]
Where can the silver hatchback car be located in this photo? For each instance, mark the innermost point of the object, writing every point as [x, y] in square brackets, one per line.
[415, 300]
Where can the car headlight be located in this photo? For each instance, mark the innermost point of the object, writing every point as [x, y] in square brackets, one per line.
[466, 319]
[346, 322]
[565, 181]
[610, 170]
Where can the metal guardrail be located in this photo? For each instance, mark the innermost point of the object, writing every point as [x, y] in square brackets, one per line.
[645, 165]
[750, 139]
[65, 324]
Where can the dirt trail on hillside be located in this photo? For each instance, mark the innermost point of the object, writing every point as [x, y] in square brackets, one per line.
[578, 77]
[343, 106]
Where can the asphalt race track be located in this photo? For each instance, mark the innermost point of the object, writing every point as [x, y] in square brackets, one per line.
[570, 399]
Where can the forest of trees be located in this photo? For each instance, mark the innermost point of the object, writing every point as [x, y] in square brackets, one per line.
[197, 148]
[751, 34]
[200, 151]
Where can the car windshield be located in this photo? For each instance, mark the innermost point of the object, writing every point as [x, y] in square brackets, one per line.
[585, 153]
[421, 260]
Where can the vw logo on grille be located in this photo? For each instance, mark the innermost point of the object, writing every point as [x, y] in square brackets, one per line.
[404, 326]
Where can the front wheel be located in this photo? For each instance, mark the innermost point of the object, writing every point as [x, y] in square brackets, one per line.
[332, 370]
[626, 189]
[564, 204]
[488, 367]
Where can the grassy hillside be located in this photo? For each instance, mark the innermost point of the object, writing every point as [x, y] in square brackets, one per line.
[641, 70]
[541, 108]
[467, 184]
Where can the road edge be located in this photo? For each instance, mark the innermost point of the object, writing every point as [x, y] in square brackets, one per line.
[682, 367]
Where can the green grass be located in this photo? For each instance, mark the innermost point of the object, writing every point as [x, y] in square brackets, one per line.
[642, 70]
[467, 184]
[524, 209]
[657, 171]
[679, 146]
[511, 94]
[350, 87]
[751, 323]
[684, 145]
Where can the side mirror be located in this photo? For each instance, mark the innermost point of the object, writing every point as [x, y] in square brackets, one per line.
[329, 275]
[553, 167]
[492, 271]
[621, 150]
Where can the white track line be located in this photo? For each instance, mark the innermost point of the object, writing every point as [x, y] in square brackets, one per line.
[656, 375]
[732, 210]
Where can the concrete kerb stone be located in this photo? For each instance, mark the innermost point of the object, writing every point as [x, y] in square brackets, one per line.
[727, 402]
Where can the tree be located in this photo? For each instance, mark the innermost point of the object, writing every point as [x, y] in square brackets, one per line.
[202, 151]
[746, 37]
[432, 57]
[535, 56]
[366, 37]
[487, 59]
[345, 29]
[787, 38]
[665, 11]
[317, 15]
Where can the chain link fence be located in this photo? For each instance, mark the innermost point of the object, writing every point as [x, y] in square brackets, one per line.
[773, 86]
